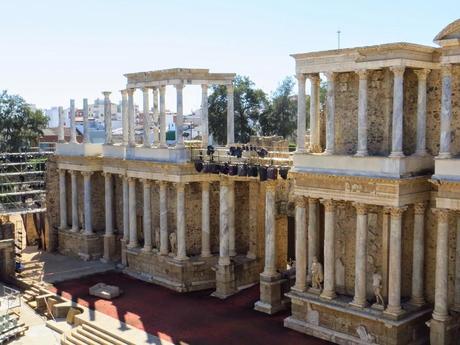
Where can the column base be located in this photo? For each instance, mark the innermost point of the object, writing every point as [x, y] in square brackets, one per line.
[394, 313]
[440, 317]
[146, 249]
[109, 247]
[206, 255]
[444, 155]
[328, 295]
[271, 299]
[225, 281]
[440, 333]
[328, 152]
[359, 304]
[361, 154]
[397, 154]
[417, 301]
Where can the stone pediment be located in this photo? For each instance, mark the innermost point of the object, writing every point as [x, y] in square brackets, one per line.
[450, 35]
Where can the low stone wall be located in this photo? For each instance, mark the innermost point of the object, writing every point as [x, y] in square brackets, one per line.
[76, 244]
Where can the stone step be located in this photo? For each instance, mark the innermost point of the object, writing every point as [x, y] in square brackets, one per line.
[103, 334]
[32, 304]
[93, 337]
[73, 340]
[76, 334]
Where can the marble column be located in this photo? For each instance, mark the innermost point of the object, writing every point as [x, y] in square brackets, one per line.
[301, 113]
[418, 254]
[147, 216]
[300, 244]
[73, 124]
[394, 270]
[124, 116]
[359, 299]
[446, 112]
[204, 116]
[107, 118]
[441, 307]
[132, 213]
[125, 209]
[179, 116]
[270, 230]
[313, 232]
[231, 218]
[87, 204]
[108, 204]
[329, 250]
[62, 199]
[181, 226]
[457, 268]
[61, 135]
[224, 255]
[163, 218]
[163, 117]
[85, 121]
[362, 114]
[147, 118]
[156, 130]
[421, 111]
[315, 144]
[398, 112]
[205, 225]
[330, 114]
[74, 199]
[230, 116]
[131, 119]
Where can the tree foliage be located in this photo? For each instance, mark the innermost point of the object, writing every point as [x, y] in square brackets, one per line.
[20, 126]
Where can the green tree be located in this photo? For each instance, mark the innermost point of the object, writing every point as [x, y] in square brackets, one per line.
[20, 126]
[249, 104]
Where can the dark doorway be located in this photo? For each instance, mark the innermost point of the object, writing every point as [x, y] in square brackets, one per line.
[291, 239]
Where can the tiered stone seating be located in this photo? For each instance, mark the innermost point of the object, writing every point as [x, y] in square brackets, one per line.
[90, 334]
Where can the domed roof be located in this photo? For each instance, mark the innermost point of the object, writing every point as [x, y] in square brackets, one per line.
[451, 31]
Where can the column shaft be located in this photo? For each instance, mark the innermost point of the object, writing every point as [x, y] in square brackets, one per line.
[315, 145]
[204, 116]
[107, 118]
[301, 113]
[205, 227]
[398, 112]
[147, 217]
[313, 230]
[270, 230]
[418, 255]
[162, 117]
[74, 186]
[330, 112]
[421, 111]
[61, 137]
[224, 257]
[147, 118]
[180, 117]
[132, 213]
[329, 250]
[85, 121]
[300, 245]
[362, 114]
[125, 209]
[446, 112]
[62, 199]
[359, 299]
[124, 116]
[181, 227]
[230, 116]
[441, 307]
[73, 124]
[108, 204]
[231, 218]
[163, 219]
[156, 130]
[131, 119]
[88, 207]
[457, 268]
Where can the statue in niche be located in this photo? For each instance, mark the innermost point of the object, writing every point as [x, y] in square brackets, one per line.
[157, 237]
[377, 286]
[317, 275]
[172, 242]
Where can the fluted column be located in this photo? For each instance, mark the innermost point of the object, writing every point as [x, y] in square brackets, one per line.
[441, 307]
[224, 257]
[446, 112]
[125, 209]
[181, 226]
[313, 231]
[421, 111]
[87, 204]
[62, 199]
[132, 213]
[300, 244]
[156, 130]
[330, 113]
[398, 112]
[230, 116]
[108, 204]
[179, 116]
[204, 116]
[270, 230]
[147, 216]
[231, 218]
[124, 116]
[107, 118]
[359, 299]
[61, 135]
[162, 117]
[205, 228]
[147, 118]
[315, 145]
[418, 254]
[457, 268]
[73, 124]
[329, 250]
[131, 119]
[394, 274]
[74, 199]
[163, 218]
[85, 121]
[362, 114]
[301, 113]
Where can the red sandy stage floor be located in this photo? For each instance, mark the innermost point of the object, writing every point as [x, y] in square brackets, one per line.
[194, 318]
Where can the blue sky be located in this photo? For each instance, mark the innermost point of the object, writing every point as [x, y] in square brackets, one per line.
[56, 50]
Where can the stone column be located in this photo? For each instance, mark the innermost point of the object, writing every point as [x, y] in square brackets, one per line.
[418, 254]
[224, 255]
[85, 121]
[446, 112]
[205, 228]
[394, 275]
[204, 116]
[398, 112]
[329, 250]
[147, 118]
[301, 113]
[132, 213]
[124, 116]
[179, 116]
[312, 233]
[62, 199]
[108, 118]
[315, 145]
[87, 204]
[73, 124]
[131, 119]
[359, 299]
[147, 217]
[74, 196]
[300, 244]
[181, 226]
[61, 135]
[421, 111]
[441, 307]
[163, 117]
[125, 209]
[362, 114]
[270, 230]
[457, 268]
[156, 131]
[230, 116]
[163, 218]
[231, 218]
[108, 204]
[330, 112]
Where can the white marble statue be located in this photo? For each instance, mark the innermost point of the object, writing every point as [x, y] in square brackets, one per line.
[173, 242]
[317, 275]
[377, 286]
